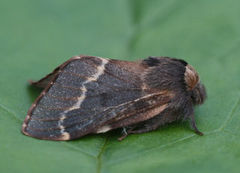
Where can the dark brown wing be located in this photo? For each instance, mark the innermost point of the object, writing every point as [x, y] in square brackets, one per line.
[136, 111]
[85, 94]
[44, 82]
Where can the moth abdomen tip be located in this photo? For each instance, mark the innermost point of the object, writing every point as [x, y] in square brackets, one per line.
[104, 129]
[64, 136]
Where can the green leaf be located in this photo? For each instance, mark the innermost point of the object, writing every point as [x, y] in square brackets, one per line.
[36, 36]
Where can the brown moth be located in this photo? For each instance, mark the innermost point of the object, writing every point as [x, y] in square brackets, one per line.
[89, 94]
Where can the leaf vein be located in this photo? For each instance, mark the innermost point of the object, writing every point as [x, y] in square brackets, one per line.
[230, 115]
[71, 146]
[10, 112]
[99, 157]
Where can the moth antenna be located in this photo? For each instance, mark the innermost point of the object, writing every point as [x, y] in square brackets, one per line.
[191, 77]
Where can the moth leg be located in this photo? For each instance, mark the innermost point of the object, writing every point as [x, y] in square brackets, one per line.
[124, 134]
[146, 128]
[129, 130]
[194, 125]
[143, 127]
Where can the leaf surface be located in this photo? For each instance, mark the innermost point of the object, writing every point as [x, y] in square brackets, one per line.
[36, 36]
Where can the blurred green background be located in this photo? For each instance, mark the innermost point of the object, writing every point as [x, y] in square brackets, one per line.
[36, 36]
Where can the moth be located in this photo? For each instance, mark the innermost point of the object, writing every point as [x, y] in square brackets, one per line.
[88, 94]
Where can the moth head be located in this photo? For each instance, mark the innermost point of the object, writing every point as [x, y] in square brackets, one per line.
[194, 86]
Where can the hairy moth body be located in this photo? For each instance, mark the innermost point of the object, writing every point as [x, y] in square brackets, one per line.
[88, 94]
